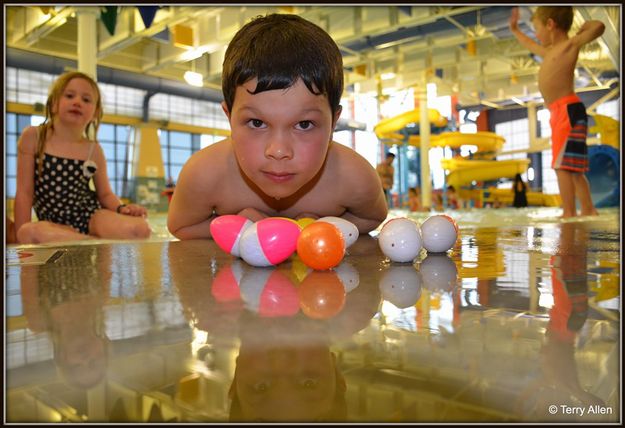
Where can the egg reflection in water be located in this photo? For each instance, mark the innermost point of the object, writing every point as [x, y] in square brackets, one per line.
[401, 285]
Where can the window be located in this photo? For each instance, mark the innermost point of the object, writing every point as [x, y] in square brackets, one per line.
[550, 181]
[610, 108]
[516, 133]
[186, 110]
[114, 141]
[177, 148]
[15, 124]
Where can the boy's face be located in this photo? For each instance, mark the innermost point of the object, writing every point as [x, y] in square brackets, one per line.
[285, 383]
[280, 137]
[542, 30]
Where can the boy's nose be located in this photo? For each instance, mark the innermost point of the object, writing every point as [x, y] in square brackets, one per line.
[279, 147]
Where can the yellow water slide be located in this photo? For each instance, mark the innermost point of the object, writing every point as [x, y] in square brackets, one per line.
[387, 129]
[461, 170]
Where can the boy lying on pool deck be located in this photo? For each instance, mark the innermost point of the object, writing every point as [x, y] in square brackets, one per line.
[282, 82]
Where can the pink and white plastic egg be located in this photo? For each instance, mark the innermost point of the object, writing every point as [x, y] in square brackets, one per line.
[269, 241]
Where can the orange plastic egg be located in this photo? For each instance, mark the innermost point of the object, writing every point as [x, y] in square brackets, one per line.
[321, 246]
[321, 295]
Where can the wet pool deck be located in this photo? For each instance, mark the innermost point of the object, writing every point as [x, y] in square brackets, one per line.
[519, 322]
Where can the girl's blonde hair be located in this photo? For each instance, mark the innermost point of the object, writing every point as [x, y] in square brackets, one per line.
[56, 91]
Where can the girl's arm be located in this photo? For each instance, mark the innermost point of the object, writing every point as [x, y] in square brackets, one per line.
[26, 149]
[107, 198]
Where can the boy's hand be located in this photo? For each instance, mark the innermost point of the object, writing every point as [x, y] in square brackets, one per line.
[253, 214]
[514, 18]
[134, 210]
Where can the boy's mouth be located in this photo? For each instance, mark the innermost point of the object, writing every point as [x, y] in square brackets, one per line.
[278, 177]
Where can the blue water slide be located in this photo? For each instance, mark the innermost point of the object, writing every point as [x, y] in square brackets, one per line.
[604, 175]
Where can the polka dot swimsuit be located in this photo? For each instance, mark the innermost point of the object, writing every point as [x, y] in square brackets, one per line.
[62, 193]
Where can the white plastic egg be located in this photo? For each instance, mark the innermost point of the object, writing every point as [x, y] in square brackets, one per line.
[348, 229]
[439, 233]
[400, 240]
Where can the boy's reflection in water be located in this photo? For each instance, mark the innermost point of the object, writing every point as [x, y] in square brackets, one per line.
[560, 384]
[66, 299]
[568, 314]
[286, 370]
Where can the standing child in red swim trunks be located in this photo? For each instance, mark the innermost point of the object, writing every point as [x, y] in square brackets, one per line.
[555, 82]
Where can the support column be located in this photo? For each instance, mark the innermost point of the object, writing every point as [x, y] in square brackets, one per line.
[148, 177]
[87, 40]
[424, 147]
[532, 119]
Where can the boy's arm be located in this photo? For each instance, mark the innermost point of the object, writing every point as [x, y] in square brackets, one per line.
[588, 32]
[526, 41]
[366, 206]
[191, 207]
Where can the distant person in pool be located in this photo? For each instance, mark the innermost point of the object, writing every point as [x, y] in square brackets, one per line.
[386, 172]
[282, 81]
[57, 160]
[568, 121]
[520, 192]
[414, 199]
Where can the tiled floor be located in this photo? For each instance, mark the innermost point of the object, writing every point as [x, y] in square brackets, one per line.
[519, 322]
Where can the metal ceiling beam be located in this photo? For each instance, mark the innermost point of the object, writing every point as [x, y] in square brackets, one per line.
[610, 40]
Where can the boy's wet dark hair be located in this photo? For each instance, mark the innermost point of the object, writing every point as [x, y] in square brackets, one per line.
[561, 15]
[278, 49]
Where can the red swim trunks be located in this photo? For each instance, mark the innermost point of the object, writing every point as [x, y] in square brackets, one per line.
[569, 124]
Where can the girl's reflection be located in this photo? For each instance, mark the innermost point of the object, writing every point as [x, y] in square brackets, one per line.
[66, 299]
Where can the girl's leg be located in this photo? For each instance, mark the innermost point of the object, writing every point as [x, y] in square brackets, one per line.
[45, 231]
[110, 225]
[567, 193]
[582, 190]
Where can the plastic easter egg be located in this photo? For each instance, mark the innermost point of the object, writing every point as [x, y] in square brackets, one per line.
[269, 292]
[269, 241]
[225, 286]
[321, 246]
[299, 268]
[401, 286]
[305, 221]
[439, 233]
[348, 229]
[348, 275]
[400, 240]
[439, 272]
[322, 295]
[226, 231]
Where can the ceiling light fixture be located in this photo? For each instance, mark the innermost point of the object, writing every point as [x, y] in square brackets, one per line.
[194, 79]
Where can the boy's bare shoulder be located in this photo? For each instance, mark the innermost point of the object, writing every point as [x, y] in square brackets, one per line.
[351, 167]
[210, 160]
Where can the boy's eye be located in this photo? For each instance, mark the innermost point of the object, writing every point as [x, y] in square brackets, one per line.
[305, 124]
[256, 123]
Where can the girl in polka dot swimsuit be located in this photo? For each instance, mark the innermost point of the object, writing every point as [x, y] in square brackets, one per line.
[56, 162]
